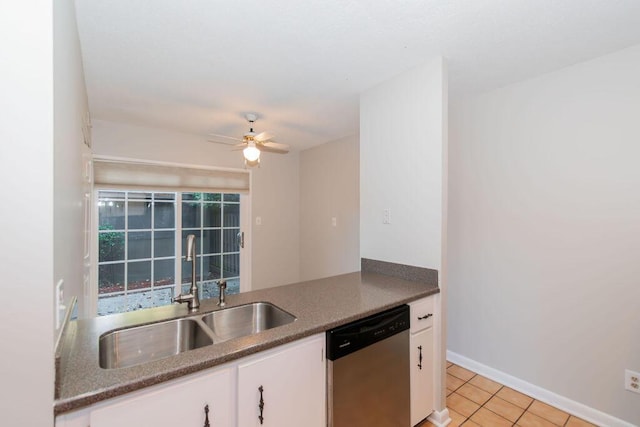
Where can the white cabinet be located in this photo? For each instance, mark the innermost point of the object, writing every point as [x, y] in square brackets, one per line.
[421, 375]
[177, 403]
[421, 358]
[292, 377]
[180, 403]
[285, 387]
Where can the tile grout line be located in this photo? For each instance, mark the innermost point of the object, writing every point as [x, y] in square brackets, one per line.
[525, 410]
[482, 405]
[502, 386]
[495, 394]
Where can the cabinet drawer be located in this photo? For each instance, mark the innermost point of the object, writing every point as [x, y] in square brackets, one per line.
[178, 403]
[421, 314]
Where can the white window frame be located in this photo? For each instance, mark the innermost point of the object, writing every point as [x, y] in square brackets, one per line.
[245, 227]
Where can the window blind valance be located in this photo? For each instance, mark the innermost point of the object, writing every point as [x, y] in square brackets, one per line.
[118, 173]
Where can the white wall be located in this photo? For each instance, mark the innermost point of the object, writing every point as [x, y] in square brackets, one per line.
[26, 216]
[544, 231]
[330, 188]
[274, 192]
[70, 106]
[401, 139]
[403, 168]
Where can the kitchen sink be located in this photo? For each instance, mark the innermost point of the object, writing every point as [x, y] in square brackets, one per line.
[246, 320]
[141, 344]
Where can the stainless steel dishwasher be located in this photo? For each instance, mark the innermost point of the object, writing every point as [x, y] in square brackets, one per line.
[368, 371]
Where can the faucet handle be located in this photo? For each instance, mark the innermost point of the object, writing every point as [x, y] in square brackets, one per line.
[222, 283]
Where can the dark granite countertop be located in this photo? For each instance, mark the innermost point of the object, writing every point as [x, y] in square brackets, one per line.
[319, 305]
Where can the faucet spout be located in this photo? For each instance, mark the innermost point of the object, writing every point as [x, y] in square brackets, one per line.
[191, 247]
[192, 299]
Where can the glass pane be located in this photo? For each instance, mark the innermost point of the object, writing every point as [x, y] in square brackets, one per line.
[231, 265]
[211, 215]
[141, 299]
[139, 275]
[164, 215]
[111, 195]
[211, 242]
[110, 304]
[210, 197]
[110, 278]
[190, 215]
[164, 196]
[140, 195]
[164, 243]
[190, 196]
[186, 271]
[111, 246]
[233, 286]
[110, 214]
[139, 215]
[231, 197]
[164, 272]
[231, 240]
[211, 267]
[139, 245]
[184, 241]
[209, 289]
[162, 296]
[231, 215]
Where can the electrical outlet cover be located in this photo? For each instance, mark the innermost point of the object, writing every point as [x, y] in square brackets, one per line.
[632, 381]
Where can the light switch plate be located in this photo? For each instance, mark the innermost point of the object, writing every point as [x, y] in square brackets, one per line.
[386, 216]
[60, 307]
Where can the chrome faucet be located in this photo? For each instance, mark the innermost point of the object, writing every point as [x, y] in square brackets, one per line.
[192, 299]
[222, 285]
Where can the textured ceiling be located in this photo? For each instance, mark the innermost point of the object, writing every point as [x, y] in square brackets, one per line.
[198, 65]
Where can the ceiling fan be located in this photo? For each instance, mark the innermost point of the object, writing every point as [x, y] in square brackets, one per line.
[252, 144]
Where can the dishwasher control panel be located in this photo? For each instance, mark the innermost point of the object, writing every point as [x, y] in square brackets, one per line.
[351, 337]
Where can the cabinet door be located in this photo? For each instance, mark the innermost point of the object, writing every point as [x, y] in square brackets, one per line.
[181, 404]
[290, 383]
[421, 375]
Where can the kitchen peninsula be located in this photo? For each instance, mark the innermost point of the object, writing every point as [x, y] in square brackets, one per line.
[318, 306]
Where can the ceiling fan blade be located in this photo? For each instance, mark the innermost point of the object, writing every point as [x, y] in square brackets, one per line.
[273, 147]
[263, 137]
[277, 145]
[222, 139]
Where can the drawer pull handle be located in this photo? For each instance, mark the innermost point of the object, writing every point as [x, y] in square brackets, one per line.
[426, 316]
[206, 416]
[261, 405]
[420, 357]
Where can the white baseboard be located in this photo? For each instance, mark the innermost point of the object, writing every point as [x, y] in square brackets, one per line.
[440, 418]
[570, 406]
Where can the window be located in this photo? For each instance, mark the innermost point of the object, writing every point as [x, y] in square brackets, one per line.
[215, 221]
[140, 233]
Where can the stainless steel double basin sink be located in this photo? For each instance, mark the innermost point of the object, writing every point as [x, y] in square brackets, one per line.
[141, 344]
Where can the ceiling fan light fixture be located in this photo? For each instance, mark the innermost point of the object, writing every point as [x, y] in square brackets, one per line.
[251, 152]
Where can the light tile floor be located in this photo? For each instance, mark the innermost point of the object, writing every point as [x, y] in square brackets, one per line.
[474, 400]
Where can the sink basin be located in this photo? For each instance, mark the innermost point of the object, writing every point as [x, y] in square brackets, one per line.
[245, 320]
[141, 344]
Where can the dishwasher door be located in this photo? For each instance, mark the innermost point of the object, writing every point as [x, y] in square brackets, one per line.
[370, 387]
